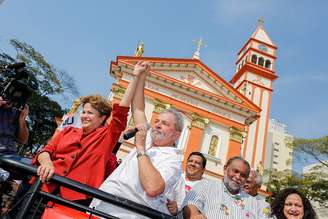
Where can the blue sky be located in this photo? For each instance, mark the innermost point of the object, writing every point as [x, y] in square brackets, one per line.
[81, 37]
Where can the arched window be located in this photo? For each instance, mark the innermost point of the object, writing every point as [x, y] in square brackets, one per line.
[261, 61]
[243, 62]
[213, 146]
[254, 59]
[268, 63]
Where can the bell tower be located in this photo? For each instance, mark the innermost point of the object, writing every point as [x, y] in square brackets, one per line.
[255, 72]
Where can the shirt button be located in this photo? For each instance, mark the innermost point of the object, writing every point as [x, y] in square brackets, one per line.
[65, 172]
[73, 156]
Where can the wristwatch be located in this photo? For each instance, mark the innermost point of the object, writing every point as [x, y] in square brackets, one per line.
[141, 153]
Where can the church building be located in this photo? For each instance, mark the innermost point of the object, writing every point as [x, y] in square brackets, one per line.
[222, 118]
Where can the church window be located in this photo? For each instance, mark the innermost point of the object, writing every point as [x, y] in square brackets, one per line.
[254, 59]
[213, 146]
[267, 64]
[261, 61]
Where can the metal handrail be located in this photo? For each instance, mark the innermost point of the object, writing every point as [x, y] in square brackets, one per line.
[79, 187]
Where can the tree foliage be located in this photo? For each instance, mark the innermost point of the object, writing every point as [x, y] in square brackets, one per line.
[52, 82]
[316, 148]
[313, 184]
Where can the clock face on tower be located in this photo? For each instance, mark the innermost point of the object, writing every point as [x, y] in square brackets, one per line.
[263, 48]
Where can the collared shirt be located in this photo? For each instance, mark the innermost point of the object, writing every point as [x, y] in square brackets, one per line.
[124, 181]
[264, 207]
[182, 187]
[8, 130]
[189, 184]
[84, 158]
[213, 200]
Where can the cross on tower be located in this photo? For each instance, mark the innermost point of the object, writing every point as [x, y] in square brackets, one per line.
[260, 21]
[199, 44]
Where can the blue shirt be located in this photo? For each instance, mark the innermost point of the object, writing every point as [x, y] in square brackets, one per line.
[8, 130]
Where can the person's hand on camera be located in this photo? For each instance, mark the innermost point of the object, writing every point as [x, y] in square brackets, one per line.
[46, 171]
[24, 113]
[2, 102]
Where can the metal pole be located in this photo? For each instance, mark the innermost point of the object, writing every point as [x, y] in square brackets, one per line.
[29, 199]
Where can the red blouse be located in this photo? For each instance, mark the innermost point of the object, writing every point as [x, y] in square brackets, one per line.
[84, 158]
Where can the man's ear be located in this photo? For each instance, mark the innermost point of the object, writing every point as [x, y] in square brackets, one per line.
[177, 135]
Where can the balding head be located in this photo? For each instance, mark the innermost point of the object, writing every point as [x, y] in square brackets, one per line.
[253, 183]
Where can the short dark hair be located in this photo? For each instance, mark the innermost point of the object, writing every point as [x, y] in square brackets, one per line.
[241, 159]
[196, 153]
[277, 205]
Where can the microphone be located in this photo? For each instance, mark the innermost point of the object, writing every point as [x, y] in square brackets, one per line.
[130, 134]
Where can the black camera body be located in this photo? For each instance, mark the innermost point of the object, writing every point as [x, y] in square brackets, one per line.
[17, 84]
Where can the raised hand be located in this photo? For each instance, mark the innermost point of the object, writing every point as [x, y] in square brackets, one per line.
[141, 68]
[141, 137]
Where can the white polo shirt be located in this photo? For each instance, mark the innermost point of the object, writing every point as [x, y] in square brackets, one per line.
[124, 181]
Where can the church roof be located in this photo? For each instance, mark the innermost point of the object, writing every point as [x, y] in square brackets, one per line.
[261, 35]
[193, 76]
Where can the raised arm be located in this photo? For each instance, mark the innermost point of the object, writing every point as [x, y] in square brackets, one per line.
[138, 102]
[140, 73]
[150, 178]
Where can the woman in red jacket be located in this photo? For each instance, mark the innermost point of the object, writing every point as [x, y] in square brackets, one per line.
[82, 153]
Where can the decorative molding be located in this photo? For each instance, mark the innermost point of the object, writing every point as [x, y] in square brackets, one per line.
[116, 71]
[199, 122]
[160, 106]
[118, 91]
[213, 159]
[236, 135]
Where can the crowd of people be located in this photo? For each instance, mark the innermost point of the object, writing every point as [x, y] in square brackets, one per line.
[152, 173]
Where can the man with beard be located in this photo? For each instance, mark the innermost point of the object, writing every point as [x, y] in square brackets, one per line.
[149, 172]
[215, 200]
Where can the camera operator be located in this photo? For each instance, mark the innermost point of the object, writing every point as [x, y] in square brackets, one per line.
[13, 129]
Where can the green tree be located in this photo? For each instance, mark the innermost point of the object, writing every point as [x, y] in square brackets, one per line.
[52, 82]
[313, 184]
[316, 148]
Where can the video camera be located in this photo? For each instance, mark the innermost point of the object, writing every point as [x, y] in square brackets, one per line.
[17, 84]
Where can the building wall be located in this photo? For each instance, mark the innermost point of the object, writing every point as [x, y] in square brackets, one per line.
[279, 155]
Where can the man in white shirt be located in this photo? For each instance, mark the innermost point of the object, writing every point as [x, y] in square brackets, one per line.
[149, 172]
[252, 186]
[195, 168]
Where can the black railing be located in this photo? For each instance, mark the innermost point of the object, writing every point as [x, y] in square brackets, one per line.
[76, 186]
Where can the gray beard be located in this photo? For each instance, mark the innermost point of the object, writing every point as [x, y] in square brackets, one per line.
[231, 186]
[156, 136]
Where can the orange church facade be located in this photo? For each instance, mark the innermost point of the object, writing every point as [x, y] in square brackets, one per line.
[222, 119]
